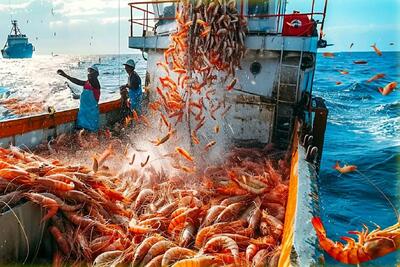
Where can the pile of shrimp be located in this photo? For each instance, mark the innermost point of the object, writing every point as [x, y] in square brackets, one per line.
[231, 214]
[22, 107]
[193, 61]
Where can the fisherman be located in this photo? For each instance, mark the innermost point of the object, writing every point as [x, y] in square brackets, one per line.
[134, 86]
[88, 116]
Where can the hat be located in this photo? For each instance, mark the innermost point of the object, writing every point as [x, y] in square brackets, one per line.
[130, 63]
[94, 67]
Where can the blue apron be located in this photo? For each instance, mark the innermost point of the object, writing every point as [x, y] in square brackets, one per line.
[135, 96]
[88, 115]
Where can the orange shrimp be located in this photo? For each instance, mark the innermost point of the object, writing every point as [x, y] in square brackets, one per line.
[184, 153]
[140, 230]
[216, 129]
[225, 227]
[164, 66]
[17, 175]
[221, 242]
[175, 254]
[251, 251]
[5, 165]
[164, 120]
[376, 49]
[201, 261]
[210, 144]
[61, 241]
[56, 185]
[107, 153]
[46, 202]
[158, 248]
[195, 139]
[181, 219]
[345, 168]
[376, 77]
[231, 85]
[144, 247]
[155, 262]
[370, 245]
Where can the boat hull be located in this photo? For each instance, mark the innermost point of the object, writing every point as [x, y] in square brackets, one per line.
[18, 51]
[31, 131]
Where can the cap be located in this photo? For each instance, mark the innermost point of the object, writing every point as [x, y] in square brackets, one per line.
[130, 63]
[94, 67]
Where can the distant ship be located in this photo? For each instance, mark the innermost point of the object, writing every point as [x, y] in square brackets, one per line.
[17, 45]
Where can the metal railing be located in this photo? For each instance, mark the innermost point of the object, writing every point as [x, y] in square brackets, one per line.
[147, 18]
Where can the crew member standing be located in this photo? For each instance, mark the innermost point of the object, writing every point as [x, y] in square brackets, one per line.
[134, 87]
[89, 114]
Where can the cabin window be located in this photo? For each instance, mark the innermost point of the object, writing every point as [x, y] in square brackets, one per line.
[166, 13]
[257, 7]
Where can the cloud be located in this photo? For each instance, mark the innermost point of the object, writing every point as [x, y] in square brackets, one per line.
[76, 21]
[112, 20]
[56, 23]
[71, 8]
[10, 7]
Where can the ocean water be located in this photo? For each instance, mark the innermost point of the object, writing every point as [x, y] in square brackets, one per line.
[36, 79]
[363, 127]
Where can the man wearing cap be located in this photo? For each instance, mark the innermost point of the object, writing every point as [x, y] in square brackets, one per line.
[134, 86]
[89, 114]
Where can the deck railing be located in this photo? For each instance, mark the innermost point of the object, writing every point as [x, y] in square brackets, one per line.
[147, 17]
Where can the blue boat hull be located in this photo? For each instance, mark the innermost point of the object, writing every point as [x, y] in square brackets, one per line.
[18, 51]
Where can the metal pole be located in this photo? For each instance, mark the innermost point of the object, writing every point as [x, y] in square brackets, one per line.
[312, 9]
[323, 20]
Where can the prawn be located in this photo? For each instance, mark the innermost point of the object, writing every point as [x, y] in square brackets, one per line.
[184, 153]
[370, 245]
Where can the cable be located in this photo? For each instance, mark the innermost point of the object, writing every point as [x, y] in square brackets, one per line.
[119, 43]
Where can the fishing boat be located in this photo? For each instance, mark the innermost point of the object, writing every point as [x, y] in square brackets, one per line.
[274, 104]
[17, 44]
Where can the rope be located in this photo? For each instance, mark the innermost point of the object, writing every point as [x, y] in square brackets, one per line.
[382, 193]
[119, 43]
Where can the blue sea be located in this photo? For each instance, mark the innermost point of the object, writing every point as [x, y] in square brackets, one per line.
[363, 127]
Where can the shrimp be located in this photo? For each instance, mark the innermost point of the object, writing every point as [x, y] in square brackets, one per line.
[376, 49]
[155, 262]
[212, 214]
[222, 243]
[158, 248]
[225, 227]
[370, 245]
[107, 153]
[271, 225]
[165, 138]
[345, 168]
[46, 202]
[144, 247]
[61, 241]
[175, 254]
[231, 85]
[184, 153]
[209, 145]
[251, 251]
[230, 212]
[181, 219]
[145, 162]
[187, 234]
[133, 159]
[56, 185]
[201, 261]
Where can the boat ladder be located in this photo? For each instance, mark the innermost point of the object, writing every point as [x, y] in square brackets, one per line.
[286, 96]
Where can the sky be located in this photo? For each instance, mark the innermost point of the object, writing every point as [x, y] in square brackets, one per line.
[101, 27]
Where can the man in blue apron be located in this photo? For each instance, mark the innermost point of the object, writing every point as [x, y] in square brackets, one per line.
[89, 114]
[134, 87]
